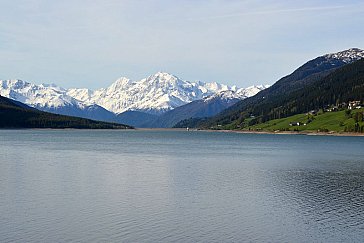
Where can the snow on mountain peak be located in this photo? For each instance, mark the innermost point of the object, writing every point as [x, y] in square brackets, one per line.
[156, 94]
[236, 93]
[36, 95]
[162, 79]
[347, 56]
[163, 75]
[119, 83]
[224, 94]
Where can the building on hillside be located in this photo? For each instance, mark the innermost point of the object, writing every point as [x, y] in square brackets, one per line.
[313, 112]
[332, 109]
[353, 104]
[343, 105]
[293, 124]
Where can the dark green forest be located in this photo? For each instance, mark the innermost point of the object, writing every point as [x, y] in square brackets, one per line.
[292, 95]
[14, 114]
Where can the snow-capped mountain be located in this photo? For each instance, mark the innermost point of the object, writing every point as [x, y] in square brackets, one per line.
[156, 94]
[206, 107]
[240, 94]
[347, 56]
[52, 98]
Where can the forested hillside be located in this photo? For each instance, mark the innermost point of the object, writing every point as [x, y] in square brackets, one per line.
[312, 86]
[14, 114]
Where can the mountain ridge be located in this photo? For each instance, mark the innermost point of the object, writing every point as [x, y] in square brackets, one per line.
[267, 104]
[155, 95]
[206, 107]
[162, 92]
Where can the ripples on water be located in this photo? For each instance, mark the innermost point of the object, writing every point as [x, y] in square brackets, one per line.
[149, 186]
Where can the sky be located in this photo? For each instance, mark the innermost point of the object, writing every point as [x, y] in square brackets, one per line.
[91, 43]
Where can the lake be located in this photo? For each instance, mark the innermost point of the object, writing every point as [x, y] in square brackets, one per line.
[179, 186]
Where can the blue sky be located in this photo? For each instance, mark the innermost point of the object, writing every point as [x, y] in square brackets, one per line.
[91, 43]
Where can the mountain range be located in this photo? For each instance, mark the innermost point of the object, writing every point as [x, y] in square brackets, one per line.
[164, 100]
[149, 97]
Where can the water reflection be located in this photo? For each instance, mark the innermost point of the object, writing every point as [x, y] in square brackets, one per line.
[177, 187]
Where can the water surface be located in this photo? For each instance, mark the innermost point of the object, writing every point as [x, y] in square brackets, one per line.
[177, 186]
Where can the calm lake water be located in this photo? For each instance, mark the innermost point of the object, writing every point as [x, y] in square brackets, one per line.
[177, 186]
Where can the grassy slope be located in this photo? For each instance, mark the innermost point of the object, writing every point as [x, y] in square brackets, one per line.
[329, 121]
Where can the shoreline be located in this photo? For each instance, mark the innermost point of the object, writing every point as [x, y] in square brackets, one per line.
[306, 133]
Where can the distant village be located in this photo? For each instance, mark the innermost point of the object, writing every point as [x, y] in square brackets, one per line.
[351, 105]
